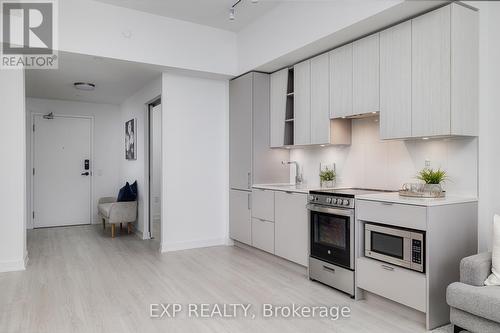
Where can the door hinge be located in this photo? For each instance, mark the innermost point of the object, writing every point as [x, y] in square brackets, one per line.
[33, 171]
[33, 215]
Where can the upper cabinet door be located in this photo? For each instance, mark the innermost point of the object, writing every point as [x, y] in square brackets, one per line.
[279, 81]
[240, 132]
[431, 73]
[464, 70]
[302, 103]
[395, 82]
[366, 69]
[341, 81]
[320, 101]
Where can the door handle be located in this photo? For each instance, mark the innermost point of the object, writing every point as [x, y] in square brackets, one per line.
[86, 173]
[326, 268]
[389, 268]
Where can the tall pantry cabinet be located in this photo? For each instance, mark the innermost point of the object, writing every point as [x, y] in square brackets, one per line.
[251, 161]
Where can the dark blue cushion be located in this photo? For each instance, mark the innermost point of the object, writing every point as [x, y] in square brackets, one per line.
[134, 188]
[126, 194]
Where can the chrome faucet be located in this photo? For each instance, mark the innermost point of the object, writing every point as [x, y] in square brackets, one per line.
[298, 175]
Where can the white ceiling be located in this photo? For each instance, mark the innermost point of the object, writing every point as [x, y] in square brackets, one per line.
[115, 80]
[214, 13]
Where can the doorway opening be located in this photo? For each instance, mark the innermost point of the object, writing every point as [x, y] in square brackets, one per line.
[155, 168]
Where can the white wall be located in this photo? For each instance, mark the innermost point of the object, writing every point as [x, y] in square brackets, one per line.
[136, 106]
[371, 163]
[295, 24]
[12, 171]
[127, 34]
[195, 162]
[489, 118]
[107, 146]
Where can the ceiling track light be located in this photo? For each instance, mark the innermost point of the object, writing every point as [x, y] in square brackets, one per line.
[232, 10]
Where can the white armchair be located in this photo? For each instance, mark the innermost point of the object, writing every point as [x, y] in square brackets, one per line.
[117, 212]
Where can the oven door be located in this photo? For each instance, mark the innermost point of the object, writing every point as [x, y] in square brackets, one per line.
[332, 235]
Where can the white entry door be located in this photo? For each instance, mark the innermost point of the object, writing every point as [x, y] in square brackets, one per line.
[61, 184]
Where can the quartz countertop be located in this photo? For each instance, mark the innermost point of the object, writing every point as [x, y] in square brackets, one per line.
[394, 197]
[303, 188]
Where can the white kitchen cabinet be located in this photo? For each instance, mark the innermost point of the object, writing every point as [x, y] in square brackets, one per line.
[395, 82]
[393, 282]
[464, 71]
[263, 204]
[302, 103]
[320, 102]
[240, 132]
[240, 227]
[450, 234]
[279, 82]
[341, 104]
[431, 73]
[291, 227]
[263, 235]
[365, 75]
[251, 161]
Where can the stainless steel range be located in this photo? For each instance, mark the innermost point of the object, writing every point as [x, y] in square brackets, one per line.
[331, 219]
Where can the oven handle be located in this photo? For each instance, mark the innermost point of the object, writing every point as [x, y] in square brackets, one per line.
[328, 210]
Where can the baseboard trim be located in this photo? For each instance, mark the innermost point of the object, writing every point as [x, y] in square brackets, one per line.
[13, 266]
[187, 245]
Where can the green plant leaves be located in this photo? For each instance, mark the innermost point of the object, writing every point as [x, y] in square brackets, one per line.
[429, 176]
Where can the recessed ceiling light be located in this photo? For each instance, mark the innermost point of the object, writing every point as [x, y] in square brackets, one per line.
[425, 138]
[84, 86]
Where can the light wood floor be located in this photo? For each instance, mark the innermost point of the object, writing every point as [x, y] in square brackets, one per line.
[80, 280]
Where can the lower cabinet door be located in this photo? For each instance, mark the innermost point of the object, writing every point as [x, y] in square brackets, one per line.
[291, 227]
[240, 225]
[263, 235]
[396, 283]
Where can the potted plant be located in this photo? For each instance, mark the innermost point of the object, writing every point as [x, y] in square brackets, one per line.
[327, 177]
[432, 179]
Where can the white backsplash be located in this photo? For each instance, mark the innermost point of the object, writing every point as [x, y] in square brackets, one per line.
[372, 163]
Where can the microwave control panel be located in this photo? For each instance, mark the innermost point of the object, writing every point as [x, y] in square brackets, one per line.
[416, 251]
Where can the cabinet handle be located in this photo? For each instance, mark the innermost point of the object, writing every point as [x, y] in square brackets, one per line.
[386, 203]
[389, 268]
[249, 179]
[326, 268]
[248, 201]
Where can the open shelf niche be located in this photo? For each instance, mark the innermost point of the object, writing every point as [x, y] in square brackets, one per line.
[289, 114]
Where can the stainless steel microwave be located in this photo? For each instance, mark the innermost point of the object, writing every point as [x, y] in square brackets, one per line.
[397, 246]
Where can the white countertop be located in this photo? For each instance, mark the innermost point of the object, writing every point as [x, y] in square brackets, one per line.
[305, 188]
[394, 197]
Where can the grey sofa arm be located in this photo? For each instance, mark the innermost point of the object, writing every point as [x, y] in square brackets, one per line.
[474, 270]
[106, 200]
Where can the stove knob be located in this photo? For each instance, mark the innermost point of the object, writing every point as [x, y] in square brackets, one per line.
[346, 202]
[328, 200]
[311, 197]
[334, 201]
